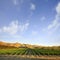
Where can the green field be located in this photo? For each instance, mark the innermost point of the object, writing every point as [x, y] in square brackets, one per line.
[30, 51]
[42, 53]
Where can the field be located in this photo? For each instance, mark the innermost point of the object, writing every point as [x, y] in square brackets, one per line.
[30, 53]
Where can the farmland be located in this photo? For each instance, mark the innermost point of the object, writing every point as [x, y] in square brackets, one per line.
[29, 51]
[26, 52]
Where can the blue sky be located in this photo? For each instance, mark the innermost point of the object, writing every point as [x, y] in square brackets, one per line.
[30, 21]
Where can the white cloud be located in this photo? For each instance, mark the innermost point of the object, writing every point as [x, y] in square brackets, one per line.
[32, 9]
[58, 8]
[55, 24]
[14, 27]
[24, 27]
[32, 6]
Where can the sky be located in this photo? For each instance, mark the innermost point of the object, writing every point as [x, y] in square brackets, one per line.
[30, 21]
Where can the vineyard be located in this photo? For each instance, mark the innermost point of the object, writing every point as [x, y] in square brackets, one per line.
[29, 51]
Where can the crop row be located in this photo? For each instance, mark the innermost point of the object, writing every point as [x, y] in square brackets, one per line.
[29, 51]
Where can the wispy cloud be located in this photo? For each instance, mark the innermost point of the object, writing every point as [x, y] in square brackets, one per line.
[58, 9]
[14, 27]
[55, 24]
[32, 6]
[24, 27]
[32, 9]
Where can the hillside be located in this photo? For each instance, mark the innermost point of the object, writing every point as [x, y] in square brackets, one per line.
[17, 45]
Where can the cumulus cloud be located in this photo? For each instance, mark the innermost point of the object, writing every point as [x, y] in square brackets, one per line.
[14, 27]
[55, 24]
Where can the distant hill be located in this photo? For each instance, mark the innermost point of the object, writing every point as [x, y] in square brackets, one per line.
[9, 44]
[19, 45]
[5, 44]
